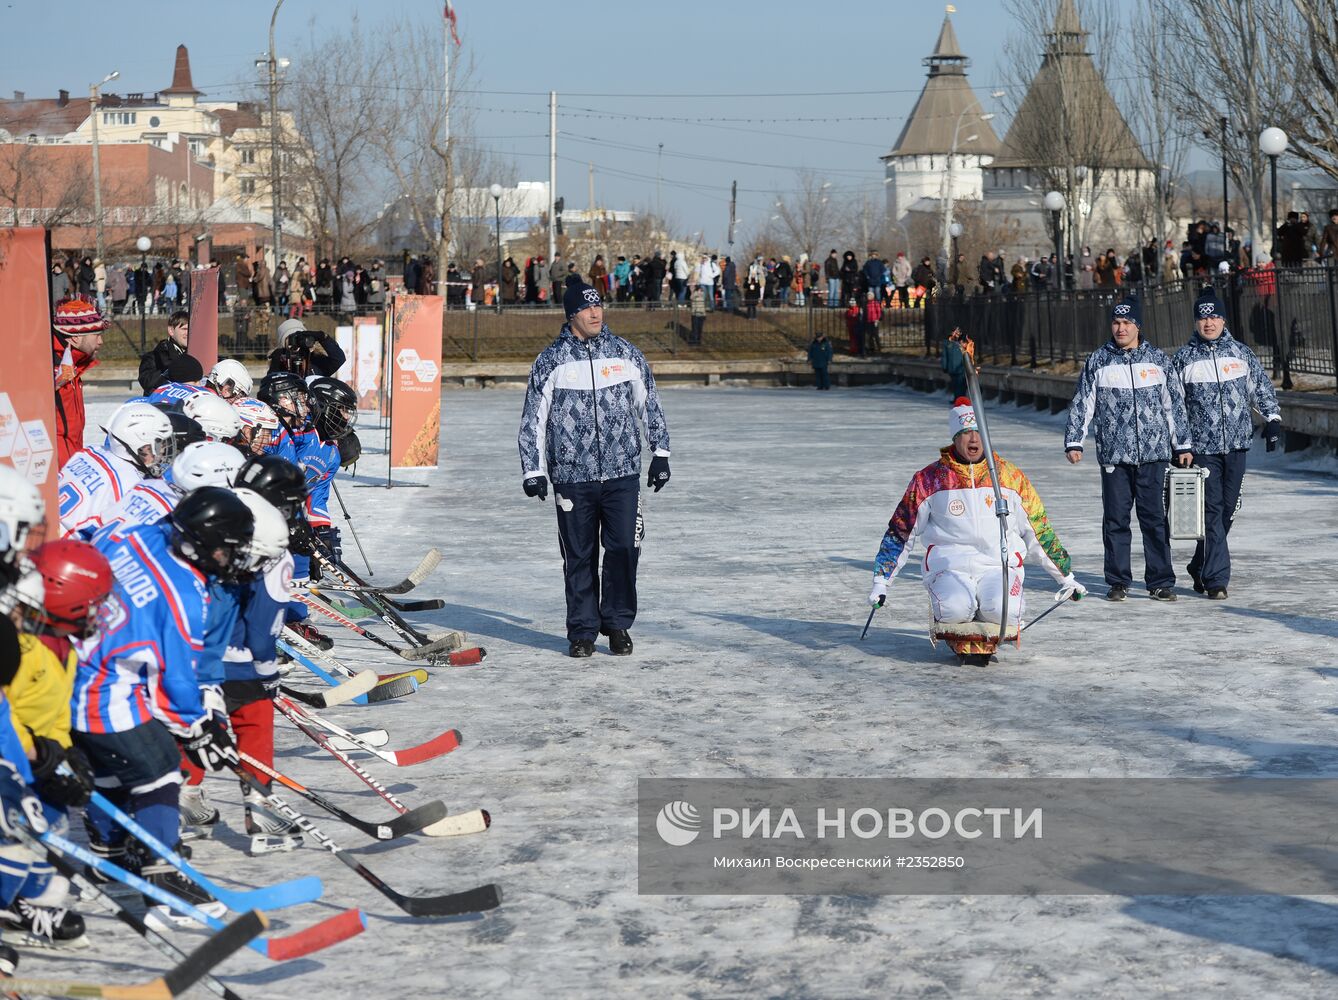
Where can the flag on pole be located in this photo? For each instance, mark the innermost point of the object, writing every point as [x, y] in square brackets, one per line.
[450, 19]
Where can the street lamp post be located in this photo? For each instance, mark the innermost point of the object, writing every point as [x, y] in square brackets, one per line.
[274, 140]
[955, 231]
[1273, 143]
[93, 96]
[142, 245]
[1226, 204]
[496, 191]
[948, 177]
[1054, 204]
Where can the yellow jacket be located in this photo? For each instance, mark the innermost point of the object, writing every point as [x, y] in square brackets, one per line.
[39, 696]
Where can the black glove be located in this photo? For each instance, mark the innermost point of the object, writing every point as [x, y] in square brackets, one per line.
[536, 486]
[210, 746]
[659, 472]
[300, 537]
[1272, 434]
[71, 785]
[329, 536]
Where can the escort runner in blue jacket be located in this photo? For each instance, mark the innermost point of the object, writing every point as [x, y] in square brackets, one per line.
[1221, 379]
[1130, 391]
[591, 396]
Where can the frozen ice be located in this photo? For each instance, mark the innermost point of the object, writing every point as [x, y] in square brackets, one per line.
[756, 564]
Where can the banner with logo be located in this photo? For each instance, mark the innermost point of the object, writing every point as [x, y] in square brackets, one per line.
[344, 338]
[27, 396]
[368, 376]
[202, 344]
[415, 382]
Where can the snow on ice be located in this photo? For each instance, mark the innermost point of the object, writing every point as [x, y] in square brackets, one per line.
[753, 579]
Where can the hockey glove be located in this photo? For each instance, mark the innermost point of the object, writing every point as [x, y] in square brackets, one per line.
[659, 472]
[536, 486]
[210, 745]
[350, 449]
[300, 537]
[1272, 434]
[19, 807]
[878, 596]
[1072, 590]
[70, 785]
[329, 536]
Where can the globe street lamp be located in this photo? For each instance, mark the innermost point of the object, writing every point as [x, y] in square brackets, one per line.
[1054, 204]
[955, 231]
[1273, 143]
[142, 245]
[496, 192]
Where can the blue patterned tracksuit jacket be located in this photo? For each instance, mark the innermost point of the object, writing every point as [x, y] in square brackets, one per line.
[1136, 402]
[1221, 378]
[585, 408]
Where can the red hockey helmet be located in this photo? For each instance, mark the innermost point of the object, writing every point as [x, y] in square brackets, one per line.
[78, 579]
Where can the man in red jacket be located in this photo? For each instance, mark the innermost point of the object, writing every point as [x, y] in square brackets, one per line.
[74, 348]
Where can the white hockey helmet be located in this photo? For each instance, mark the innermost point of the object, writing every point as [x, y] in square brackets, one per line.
[28, 594]
[269, 540]
[219, 420]
[259, 423]
[22, 515]
[230, 379]
[206, 463]
[141, 433]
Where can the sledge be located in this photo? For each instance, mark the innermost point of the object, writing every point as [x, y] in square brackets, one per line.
[972, 639]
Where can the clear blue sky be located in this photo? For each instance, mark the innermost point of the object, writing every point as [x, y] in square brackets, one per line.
[772, 61]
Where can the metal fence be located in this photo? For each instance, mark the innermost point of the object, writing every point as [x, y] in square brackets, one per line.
[1046, 328]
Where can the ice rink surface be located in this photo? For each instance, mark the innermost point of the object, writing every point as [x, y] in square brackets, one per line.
[754, 574]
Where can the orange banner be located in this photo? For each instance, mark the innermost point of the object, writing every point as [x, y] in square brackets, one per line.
[27, 392]
[202, 345]
[415, 381]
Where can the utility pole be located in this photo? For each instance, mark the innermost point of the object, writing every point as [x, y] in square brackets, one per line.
[93, 98]
[591, 203]
[552, 175]
[274, 200]
[1226, 205]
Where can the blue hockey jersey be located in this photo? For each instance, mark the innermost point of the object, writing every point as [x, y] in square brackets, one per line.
[252, 654]
[141, 663]
[320, 461]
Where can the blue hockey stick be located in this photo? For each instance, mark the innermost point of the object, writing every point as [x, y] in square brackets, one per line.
[303, 890]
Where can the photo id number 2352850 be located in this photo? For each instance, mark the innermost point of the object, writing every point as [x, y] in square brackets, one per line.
[922, 861]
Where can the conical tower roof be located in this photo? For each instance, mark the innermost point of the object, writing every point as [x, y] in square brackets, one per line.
[947, 99]
[1068, 112]
[181, 82]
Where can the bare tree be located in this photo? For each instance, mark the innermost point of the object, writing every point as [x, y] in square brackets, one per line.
[1312, 123]
[1226, 66]
[1155, 119]
[1068, 129]
[809, 217]
[333, 92]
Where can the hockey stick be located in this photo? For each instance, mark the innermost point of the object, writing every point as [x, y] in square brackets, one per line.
[345, 691]
[359, 611]
[476, 900]
[474, 821]
[400, 826]
[443, 645]
[331, 565]
[351, 530]
[372, 737]
[122, 913]
[395, 686]
[438, 746]
[421, 572]
[332, 930]
[291, 893]
[293, 641]
[171, 983]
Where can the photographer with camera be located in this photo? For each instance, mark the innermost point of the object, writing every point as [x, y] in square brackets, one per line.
[305, 352]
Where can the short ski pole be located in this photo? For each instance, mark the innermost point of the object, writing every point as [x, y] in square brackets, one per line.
[351, 530]
[1053, 607]
[869, 622]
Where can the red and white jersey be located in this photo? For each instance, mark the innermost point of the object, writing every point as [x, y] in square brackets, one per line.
[91, 483]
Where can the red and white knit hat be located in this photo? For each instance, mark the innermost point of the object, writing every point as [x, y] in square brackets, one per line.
[963, 417]
[78, 316]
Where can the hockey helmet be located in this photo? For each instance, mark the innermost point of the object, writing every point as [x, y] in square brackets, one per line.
[219, 420]
[334, 407]
[142, 434]
[77, 578]
[205, 463]
[230, 379]
[211, 531]
[269, 539]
